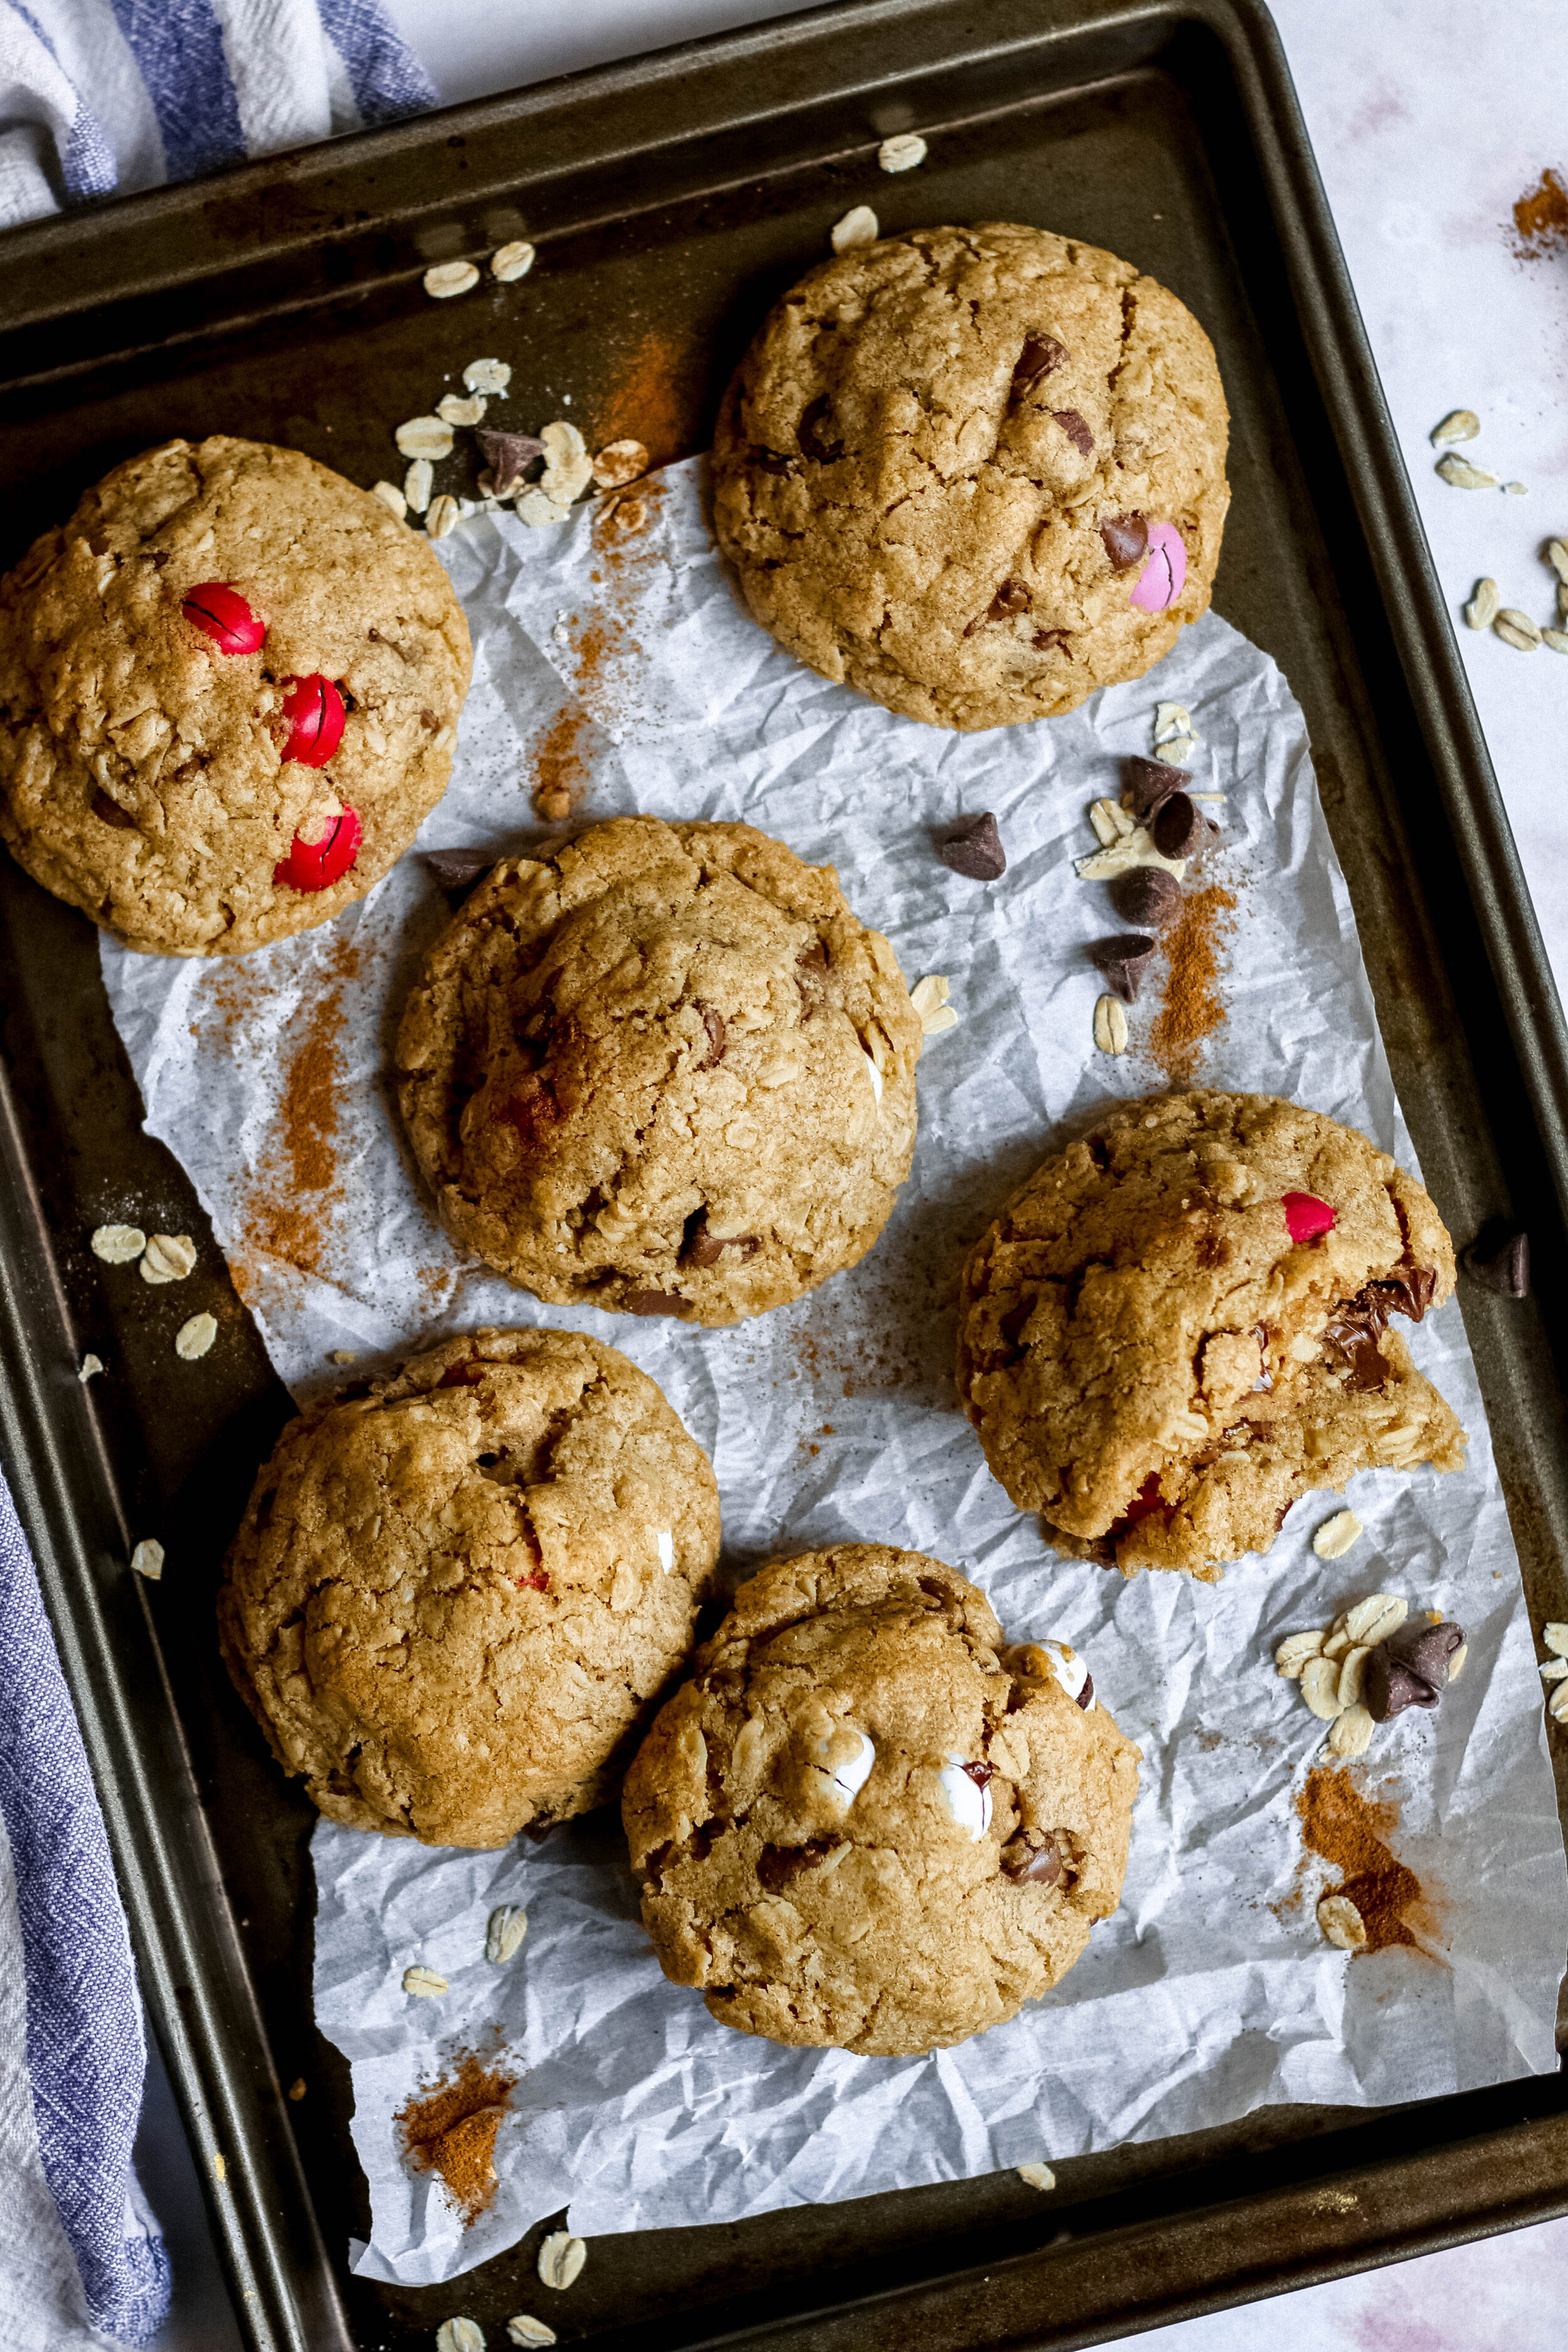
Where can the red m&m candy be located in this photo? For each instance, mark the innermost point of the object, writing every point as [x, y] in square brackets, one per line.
[1306, 1217]
[313, 713]
[317, 864]
[223, 614]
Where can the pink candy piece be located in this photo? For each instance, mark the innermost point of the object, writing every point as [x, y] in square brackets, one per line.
[1306, 1217]
[317, 864]
[1164, 573]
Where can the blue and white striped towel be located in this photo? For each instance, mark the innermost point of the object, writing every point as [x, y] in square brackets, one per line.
[100, 97]
[79, 2250]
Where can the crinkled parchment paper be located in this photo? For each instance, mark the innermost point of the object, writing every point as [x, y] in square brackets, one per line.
[629, 662]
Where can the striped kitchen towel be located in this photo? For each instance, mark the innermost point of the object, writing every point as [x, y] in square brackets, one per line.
[79, 2252]
[100, 97]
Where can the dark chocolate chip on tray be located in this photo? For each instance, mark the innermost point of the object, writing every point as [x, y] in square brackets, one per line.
[974, 848]
[1505, 1270]
[1146, 782]
[1176, 825]
[1121, 960]
[1146, 895]
[456, 871]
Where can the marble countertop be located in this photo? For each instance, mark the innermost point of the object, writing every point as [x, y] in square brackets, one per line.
[1430, 118]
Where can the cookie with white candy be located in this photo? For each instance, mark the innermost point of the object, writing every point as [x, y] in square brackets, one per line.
[867, 1823]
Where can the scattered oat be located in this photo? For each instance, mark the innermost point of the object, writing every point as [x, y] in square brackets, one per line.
[1294, 1652]
[1038, 2176]
[1352, 1667]
[1555, 1637]
[1129, 849]
[1457, 1663]
[561, 2258]
[453, 409]
[1552, 1672]
[194, 1339]
[1517, 489]
[1341, 1922]
[1555, 639]
[1484, 605]
[297, 2088]
[1556, 552]
[1517, 629]
[534, 507]
[343, 1356]
[168, 1257]
[449, 278]
[927, 995]
[1335, 1536]
[423, 437]
[118, 1244]
[490, 377]
[512, 261]
[443, 518]
[1173, 724]
[1557, 1705]
[459, 2335]
[526, 2329]
[390, 496]
[568, 468]
[1374, 1619]
[858, 226]
[424, 1983]
[618, 463]
[1320, 1686]
[220, 2168]
[1110, 821]
[1460, 475]
[1460, 425]
[1337, 1640]
[147, 1559]
[1177, 750]
[905, 151]
[91, 1364]
[504, 1931]
[1111, 1025]
[419, 483]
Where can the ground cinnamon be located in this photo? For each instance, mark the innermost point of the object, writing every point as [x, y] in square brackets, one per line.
[560, 770]
[1345, 1828]
[1191, 1007]
[1541, 217]
[655, 402]
[450, 2130]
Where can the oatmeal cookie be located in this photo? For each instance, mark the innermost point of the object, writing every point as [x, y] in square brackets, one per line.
[664, 1070]
[865, 1822]
[229, 689]
[975, 473]
[454, 1600]
[1179, 1326]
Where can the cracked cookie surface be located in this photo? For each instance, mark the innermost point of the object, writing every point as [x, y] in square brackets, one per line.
[928, 462]
[140, 776]
[868, 1823]
[666, 1071]
[453, 1600]
[1155, 1366]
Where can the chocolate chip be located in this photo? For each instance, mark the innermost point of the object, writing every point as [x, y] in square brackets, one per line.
[813, 441]
[981, 1774]
[1426, 1650]
[109, 809]
[1032, 1858]
[1388, 1687]
[1175, 827]
[1048, 641]
[1041, 356]
[465, 1373]
[508, 456]
[768, 461]
[704, 1248]
[1147, 897]
[1013, 596]
[1408, 1290]
[1505, 1270]
[777, 1865]
[456, 871]
[655, 1302]
[1147, 783]
[717, 1037]
[1121, 960]
[974, 848]
[1126, 540]
[1086, 1695]
[814, 955]
[1074, 427]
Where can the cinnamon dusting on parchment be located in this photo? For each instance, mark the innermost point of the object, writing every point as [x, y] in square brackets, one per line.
[560, 770]
[1349, 1829]
[287, 1215]
[1191, 1007]
[449, 2129]
[1541, 218]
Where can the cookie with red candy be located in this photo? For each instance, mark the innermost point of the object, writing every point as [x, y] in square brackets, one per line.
[1187, 1320]
[230, 685]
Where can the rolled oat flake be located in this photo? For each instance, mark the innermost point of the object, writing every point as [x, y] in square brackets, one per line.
[561, 2258]
[459, 2335]
[504, 1931]
[525, 2329]
[449, 278]
[192, 1340]
[118, 1245]
[147, 1559]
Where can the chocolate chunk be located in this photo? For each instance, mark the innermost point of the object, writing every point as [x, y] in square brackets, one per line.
[1409, 1290]
[1121, 960]
[1126, 540]
[1505, 1270]
[105, 806]
[465, 1373]
[814, 955]
[706, 1249]
[981, 1774]
[1176, 825]
[717, 1037]
[456, 871]
[508, 456]
[1013, 596]
[1388, 1687]
[1074, 427]
[1426, 1649]
[1032, 1858]
[657, 1302]
[1041, 356]
[1147, 783]
[974, 848]
[1147, 897]
[1049, 641]
[1086, 1695]
[768, 461]
[777, 1865]
[1353, 1332]
[815, 440]
[1354, 1345]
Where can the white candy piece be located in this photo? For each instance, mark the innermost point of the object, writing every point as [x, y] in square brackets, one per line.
[849, 1778]
[1070, 1669]
[969, 1804]
[666, 1543]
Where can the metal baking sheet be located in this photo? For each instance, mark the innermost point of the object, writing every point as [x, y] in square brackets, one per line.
[671, 199]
